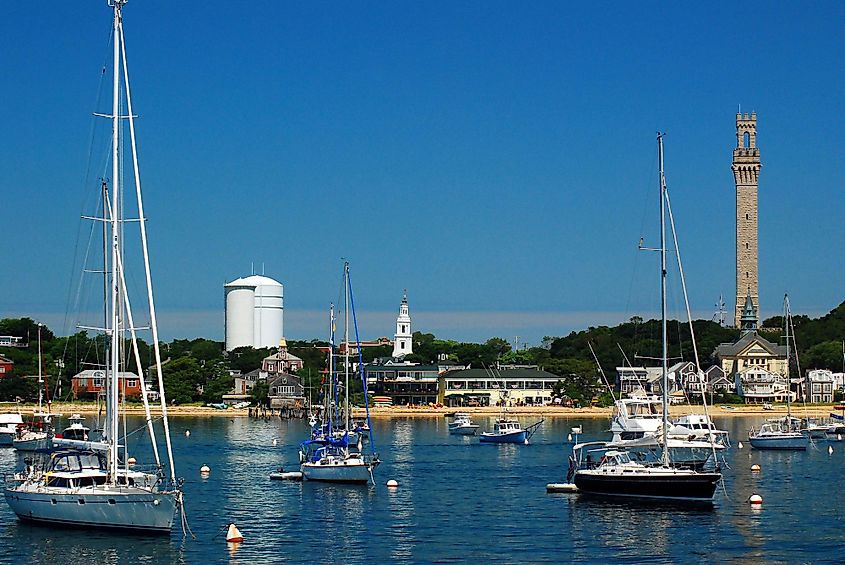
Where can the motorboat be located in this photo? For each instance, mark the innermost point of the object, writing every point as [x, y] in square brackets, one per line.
[9, 422]
[699, 427]
[774, 435]
[506, 430]
[462, 425]
[636, 417]
[35, 435]
[76, 430]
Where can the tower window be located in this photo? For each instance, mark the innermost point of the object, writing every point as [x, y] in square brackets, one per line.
[401, 345]
[746, 139]
[746, 246]
[747, 275]
[747, 217]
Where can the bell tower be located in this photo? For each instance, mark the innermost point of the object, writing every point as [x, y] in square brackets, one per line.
[746, 168]
[403, 339]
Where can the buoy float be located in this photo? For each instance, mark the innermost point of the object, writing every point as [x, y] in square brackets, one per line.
[838, 437]
[205, 470]
[569, 437]
[275, 441]
[187, 433]
[755, 468]
[526, 441]
[739, 445]
[131, 461]
[234, 534]
[755, 499]
[830, 450]
[392, 483]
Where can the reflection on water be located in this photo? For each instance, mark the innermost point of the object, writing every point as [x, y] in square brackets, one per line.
[457, 500]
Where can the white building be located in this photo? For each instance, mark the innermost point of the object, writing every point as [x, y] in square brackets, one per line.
[819, 386]
[254, 312]
[403, 339]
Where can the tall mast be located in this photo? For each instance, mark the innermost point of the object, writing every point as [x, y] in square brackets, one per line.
[665, 352]
[40, 379]
[346, 342]
[786, 315]
[112, 373]
[331, 397]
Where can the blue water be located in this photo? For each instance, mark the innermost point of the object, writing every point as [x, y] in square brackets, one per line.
[457, 501]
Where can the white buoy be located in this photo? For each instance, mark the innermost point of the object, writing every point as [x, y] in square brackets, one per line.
[187, 433]
[234, 535]
[739, 445]
[205, 470]
[569, 437]
[561, 487]
[830, 450]
[392, 483]
[131, 461]
[755, 468]
[275, 442]
[526, 441]
[838, 437]
[755, 499]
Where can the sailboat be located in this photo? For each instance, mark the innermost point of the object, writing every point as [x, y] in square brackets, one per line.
[784, 433]
[331, 454]
[37, 434]
[95, 484]
[600, 470]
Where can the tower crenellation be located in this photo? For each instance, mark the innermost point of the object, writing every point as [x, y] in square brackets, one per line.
[746, 168]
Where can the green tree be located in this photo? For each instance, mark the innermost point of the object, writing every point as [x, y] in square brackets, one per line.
[182, 379]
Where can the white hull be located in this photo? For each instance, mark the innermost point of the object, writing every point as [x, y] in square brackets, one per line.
[32, 444]
[97, 507]
[465, 430]
[337, 471]
[786, 440]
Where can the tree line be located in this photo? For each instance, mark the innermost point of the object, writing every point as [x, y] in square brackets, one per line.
[200, 370]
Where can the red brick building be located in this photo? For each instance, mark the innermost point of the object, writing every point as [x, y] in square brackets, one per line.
[89, 383]
[6, 366]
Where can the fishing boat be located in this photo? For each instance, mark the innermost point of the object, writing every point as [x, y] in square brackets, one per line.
[76, 430]
[96, 484]
[462, 425]
[330, 454]
[508, 430]
[783, 433]
[600, 470]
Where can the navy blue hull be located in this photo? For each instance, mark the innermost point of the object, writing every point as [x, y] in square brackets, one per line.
[697, 487]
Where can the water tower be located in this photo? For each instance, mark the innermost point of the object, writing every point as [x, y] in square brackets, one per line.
[254, 312]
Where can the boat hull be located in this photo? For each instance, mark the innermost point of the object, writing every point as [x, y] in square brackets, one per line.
[32, 444]
[135, 510]
[336, 472]
[796, 442]
[514, 437]
[463, 430]
[698, 487]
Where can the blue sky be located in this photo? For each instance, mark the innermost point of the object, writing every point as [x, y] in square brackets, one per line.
[497, 159]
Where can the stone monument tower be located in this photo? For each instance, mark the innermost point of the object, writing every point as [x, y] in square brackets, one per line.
[746, 168]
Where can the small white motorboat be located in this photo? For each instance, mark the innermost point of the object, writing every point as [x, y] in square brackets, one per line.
[462, 425]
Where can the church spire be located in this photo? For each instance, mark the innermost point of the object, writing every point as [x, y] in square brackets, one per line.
[403, 343]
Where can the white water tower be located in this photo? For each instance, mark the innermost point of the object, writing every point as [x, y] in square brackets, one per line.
[254, 312]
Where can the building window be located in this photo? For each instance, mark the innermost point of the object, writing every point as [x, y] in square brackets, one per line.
[403, 328]
[98, 383]
[132, 383]
[402, 344]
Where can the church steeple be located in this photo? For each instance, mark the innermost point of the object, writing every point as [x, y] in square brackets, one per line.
[748, 320]
[403, 342]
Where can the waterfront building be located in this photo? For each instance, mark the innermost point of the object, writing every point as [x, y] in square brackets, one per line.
[282, 361]
[756, 385]
[819, 386]
[405, 382]
[285, 391]
[718, 381]
[632, 380]
[254, 312]
[524, 386]
[403, 339]
[12, 341]
[91, 382]
[746, 169]
[6, 366]
[279, 364]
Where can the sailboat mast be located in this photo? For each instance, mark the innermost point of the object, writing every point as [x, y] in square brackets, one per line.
[346, 342]
[112, 373]
[664, 332]
[786, 315]
[331, 406]
[40, 378]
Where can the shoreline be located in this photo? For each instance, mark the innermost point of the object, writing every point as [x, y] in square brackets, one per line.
[816, 410]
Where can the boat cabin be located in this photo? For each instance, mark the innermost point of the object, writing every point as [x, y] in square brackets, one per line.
[506, 426]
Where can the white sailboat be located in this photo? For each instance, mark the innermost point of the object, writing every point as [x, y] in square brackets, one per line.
[782, 433]
[332, 455]
[600, 469]
[95, 484]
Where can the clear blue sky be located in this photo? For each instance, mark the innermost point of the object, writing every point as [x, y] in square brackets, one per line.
[495, 158]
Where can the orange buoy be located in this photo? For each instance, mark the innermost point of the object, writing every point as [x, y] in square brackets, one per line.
[205, 469]
[131, 461]
[755, 468]
[755, 499]
[234, 535]
[392, 483]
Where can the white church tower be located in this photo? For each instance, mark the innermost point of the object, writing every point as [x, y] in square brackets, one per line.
[402, 344]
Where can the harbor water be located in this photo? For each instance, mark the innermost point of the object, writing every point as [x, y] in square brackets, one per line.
[457, 501]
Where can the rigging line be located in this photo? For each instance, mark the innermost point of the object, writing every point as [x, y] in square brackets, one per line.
[361, 364]
[698, 370]
[601, 371]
